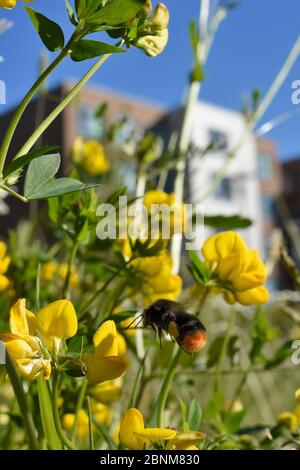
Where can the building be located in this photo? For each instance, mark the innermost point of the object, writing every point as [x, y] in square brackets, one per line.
[223, 131]
[290, 211]
[271, 185]
[77, 119]
[249, 187]
[291, 176]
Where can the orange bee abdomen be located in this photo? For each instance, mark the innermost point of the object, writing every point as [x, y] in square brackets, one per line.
[193, 342]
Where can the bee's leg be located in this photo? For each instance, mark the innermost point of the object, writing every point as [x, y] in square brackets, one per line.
[159, 331]
[154, 329]
[172, 339]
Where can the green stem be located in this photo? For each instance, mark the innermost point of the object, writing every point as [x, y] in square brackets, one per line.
[86, 306]
[218, 371]
[26, 100]
[70, 269]
[62, 105]
[91, 437]
[65, 441]
[13, 193]
[183, 146]
[50, 433]
[160, 404]
[22, 402]
[78, 407]
[238, 390]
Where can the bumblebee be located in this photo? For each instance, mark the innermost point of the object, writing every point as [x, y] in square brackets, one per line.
[183, 327]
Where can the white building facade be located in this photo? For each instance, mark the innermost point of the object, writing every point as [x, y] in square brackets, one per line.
[239, 191]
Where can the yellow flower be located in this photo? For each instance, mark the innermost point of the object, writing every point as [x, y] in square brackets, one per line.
[156, 278]
[48, 271]
[297, 395]
[102, 413]
[106, 392]
[135, 436]
[288, 420]
[51, 270]
[153, 35]
[63, 271]
[32, 337]
[10, 3]
[90, 156]
[4, 263]
[82, 423]
[176, 221]
[185, 441]
[106, 363]
[238, 271]
[297, 413]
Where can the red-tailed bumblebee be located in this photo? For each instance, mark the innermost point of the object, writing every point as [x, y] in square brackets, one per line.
[185, 328]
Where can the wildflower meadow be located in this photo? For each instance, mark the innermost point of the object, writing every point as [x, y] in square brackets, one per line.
[130, 319]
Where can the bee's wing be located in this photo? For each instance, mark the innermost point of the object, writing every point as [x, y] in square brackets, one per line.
[188, 304]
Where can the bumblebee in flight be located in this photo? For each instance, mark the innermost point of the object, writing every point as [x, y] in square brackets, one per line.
[185, 328]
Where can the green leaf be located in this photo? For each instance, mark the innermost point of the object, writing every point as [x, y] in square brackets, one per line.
[40, 171]
[116, 12]
[58, 187]
[71, 13]
[194, 37]
[24, 160]
[194, 416]
[183, 409]
[53, 209]
[88, 49]
[50, 32]
[215, 405]
[227, 222]
[214, 351]
[261, 334]
[40, 182]
[280, 355]
[232, 421]
[198, 269]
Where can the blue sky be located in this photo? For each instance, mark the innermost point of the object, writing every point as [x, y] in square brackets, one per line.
[248, 51]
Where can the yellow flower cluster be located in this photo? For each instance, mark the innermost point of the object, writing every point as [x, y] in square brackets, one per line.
[89, 155]
[237, 271]
[35, 341]
[101, 395]
[51, 270]
[4, 263]
[10, 3]
[156, 278]
[176, 221]
[33, 338]
[134, 436]
[101, 413]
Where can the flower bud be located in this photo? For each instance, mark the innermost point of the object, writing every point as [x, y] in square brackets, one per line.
[161, 16]
[155, 44]
[146, 10]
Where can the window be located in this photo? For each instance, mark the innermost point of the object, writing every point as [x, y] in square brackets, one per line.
[88, 125]
[225, 189]
[268, 207]
[218, 139]
[265, 167]
[125, 175]
[129, 130]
